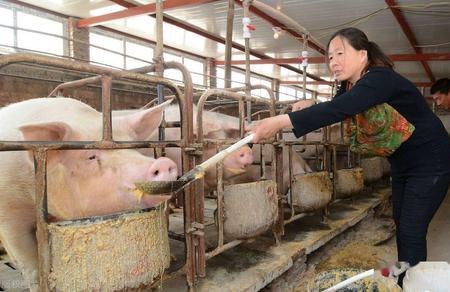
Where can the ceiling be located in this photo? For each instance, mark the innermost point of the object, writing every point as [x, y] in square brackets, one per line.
[428, 21]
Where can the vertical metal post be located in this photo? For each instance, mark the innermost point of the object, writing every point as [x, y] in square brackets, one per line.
[277, 164]
[290, 180]
[241, 118]
[229, 43]
[334, 170]
[40, 169]
[247, 64]
[158, 58]
[304, 62]
[106, 107]
[220, 202]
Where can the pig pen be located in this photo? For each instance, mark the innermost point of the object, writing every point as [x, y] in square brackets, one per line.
[265, 268]
[234, 220]
[77, 255]
[261, 257]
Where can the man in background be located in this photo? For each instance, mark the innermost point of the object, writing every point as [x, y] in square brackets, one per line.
[441, 93]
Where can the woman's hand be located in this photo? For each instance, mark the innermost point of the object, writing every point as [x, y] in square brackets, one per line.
[299, 105]
[267, 128]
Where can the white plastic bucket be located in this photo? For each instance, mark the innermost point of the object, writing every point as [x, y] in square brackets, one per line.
[428, 276]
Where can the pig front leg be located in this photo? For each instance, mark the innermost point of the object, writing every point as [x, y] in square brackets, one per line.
[18, 235]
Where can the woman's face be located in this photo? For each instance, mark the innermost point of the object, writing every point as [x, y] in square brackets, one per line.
[345, 62]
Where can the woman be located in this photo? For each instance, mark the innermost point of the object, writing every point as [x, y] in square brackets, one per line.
[420, 167]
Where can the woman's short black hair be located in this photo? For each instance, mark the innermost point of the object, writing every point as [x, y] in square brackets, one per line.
[441, 86]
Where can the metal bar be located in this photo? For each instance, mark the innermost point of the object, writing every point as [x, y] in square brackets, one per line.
[276, 61]
[229, 43]
[420, 57]
[278, 170]
[295, 217]
[76, 145]
[321, 60]
[188, 97]
[73, 84]
[40, 169]
[135, 11]
[409, 35]
[278, 19]
[334, 159]
[220, 203]
[106, 108]
[158, 59]
[246, 5]
[223, 248]
[260, 86]
[290, 179]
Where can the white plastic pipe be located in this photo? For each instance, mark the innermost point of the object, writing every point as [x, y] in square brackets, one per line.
[350, 280]
[224, 153]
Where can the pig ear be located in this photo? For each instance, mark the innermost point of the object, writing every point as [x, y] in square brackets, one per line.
[209, 127]
[143, 123]
[54, 131]
[230, 129]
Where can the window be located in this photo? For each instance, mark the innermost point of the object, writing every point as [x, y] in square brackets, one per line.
[139, 53]
[220, 77]
[173, 73]
[264, 92]
[119, 52]
[106, 57]
[300, 94]
[7, 34]
[36, 41]
[24, 31]
[238, 79]
[196, 68]
[287, 93]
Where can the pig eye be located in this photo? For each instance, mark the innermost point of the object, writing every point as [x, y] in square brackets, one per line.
[92, 157]
[241, 155]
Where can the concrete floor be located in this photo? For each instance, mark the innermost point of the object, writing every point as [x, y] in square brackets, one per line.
[438, 238]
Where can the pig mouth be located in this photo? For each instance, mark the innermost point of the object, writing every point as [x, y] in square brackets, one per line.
[152, 201]
[236, 170]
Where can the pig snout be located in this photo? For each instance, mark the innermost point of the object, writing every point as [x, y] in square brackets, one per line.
[238, 162]
[245, 157]
[162, 169]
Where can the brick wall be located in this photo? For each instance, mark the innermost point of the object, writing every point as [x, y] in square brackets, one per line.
[21, 82]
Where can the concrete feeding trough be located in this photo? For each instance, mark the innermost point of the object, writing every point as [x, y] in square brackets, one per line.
[311, 191]
[348, 182]
[109, 253]
[250, 209]
[372, 169]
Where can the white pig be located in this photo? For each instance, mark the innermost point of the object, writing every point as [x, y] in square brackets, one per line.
[215, 126]
[80, 183]
[308, 151]
[299, 166]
